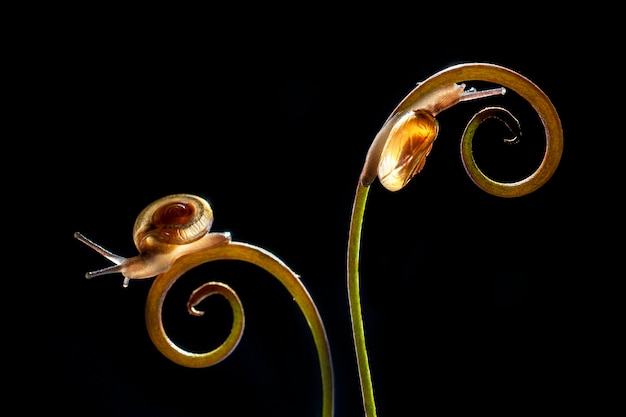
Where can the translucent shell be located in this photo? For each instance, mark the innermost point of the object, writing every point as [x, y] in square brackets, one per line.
[176, 219]
[409, 142]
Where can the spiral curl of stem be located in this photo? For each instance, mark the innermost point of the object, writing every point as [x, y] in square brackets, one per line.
[514, 81]
[241, 252]
[452, 75]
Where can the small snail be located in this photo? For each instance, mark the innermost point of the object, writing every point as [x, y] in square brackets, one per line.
[164, 231]
[402, 145]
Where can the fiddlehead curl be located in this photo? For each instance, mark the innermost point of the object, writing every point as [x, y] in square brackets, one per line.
[429, 92]
[158, 335]
[239, 252]
[399, 151]
[482, 180]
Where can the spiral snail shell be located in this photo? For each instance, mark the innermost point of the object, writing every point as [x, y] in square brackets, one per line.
[165, 230]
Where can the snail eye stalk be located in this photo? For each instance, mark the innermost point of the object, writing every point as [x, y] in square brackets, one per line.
[473, 94]
[116, 259]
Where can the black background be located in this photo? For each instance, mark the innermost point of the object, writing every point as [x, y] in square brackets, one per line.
[471, 302]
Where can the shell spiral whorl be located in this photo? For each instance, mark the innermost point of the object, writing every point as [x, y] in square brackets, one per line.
[176, 219]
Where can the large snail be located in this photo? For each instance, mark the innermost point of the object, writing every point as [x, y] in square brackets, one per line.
[408, 136]
[165, 230]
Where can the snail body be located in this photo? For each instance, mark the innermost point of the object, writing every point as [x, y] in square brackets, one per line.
[168, 228]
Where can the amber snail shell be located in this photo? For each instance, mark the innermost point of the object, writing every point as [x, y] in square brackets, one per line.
[409, 143]
[177, 219]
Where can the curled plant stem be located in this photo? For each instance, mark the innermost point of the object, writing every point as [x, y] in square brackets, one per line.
[500, 189]
[261, 258]
[419, 101]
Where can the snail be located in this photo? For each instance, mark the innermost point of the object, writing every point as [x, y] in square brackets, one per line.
[407, 137]
[165, 230]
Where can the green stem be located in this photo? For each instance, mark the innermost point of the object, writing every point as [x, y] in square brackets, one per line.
[354, 297]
